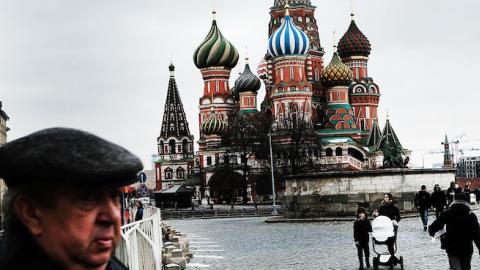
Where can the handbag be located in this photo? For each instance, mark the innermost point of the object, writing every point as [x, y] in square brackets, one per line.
[443, 240]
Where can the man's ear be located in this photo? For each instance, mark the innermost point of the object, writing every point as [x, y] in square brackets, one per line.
[29, 214]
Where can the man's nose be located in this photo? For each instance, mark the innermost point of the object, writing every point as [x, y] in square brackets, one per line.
[109, 211]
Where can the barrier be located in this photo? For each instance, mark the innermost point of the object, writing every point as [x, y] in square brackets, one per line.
[141, 245]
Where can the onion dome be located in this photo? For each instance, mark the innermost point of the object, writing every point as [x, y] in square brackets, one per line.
[288, 39]
[282, 3]
[247, 81]
[336, 73]
[214, 125]
[354, 43]
[215, 50]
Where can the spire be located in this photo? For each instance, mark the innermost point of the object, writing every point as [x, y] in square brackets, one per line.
[447, 156]
[390, 137]
[334, 41]
[375, 135]
[352, 10]
[174, 123]
[214, 14]
[171, 68]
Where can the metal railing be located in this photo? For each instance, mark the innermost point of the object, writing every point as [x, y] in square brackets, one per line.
[141, 245]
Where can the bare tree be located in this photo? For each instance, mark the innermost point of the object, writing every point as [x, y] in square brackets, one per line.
[295, 141]
[247, 136]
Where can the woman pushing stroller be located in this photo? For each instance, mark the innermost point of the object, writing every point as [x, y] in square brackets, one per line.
[390, 210]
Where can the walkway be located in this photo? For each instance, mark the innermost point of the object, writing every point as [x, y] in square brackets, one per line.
[250, 243]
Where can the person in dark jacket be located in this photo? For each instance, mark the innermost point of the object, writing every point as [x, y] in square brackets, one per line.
[423, 204]
[462, 230]
[139, 213]
[63, 207]
[439, 200]
[477, 194]
[390, 210]
[467, 190]
[361, 229]
[451, 193]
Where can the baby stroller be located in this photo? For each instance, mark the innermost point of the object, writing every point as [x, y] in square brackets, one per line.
[382, 230]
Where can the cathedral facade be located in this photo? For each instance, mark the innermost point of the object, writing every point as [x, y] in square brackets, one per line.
[338, 102]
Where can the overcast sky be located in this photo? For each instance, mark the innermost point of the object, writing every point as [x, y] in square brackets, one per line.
[102, 65]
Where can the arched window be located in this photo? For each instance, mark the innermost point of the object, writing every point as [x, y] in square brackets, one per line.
[317, 74]
[168, 173]
[180, 173]
[329, 152]
[185, 146]
[338, 152]
[355, 153]
[171, 145]
[161, 147]
[291, 74]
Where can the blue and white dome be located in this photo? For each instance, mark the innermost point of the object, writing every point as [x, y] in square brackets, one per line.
[288, 39]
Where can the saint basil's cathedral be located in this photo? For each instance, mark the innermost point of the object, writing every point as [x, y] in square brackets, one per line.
[338, 101]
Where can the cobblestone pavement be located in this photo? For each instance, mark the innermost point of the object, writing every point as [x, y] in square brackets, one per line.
[249, 243]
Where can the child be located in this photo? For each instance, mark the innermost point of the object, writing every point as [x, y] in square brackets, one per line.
[361, 229]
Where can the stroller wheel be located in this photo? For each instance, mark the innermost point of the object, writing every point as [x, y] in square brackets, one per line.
[401, 262]
[375, 263]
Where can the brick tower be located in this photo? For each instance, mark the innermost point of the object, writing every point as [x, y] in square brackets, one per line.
[354, 49]
[175, 143]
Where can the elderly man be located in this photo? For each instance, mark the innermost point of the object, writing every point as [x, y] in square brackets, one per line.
[62, 203]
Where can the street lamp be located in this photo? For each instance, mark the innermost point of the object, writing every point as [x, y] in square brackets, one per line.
[274, 211]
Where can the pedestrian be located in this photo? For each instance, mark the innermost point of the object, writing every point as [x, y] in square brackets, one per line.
[467, 190]
[458, 189]
[477, 195]
[462, 229]
[255, 205]
[439, 200]
[139, 213]
[423, 203]
[361, 229]
[63, 207]
[390, 210]
[451, 193]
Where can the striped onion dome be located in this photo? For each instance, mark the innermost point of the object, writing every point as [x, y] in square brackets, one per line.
[336, 73]
[247, 81]
[214, 125]
[288, 39]
[215, 51]
[354, 43]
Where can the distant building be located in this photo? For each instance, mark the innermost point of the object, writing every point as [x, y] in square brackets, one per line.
[175, 144]
[3, 139]
[3, 125]
[468, 167]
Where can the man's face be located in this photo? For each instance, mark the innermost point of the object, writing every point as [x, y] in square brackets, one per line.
[82, 229]
[386, 199]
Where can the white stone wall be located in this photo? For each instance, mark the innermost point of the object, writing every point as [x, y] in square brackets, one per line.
[408, 181]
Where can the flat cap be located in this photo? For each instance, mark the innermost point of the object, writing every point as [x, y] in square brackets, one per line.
[66, 156]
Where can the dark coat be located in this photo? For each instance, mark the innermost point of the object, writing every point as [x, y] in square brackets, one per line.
[422, 200]
[451, 191]
[139, 214]
[18, 251]
[439, 199]
[361, 228]
[390, 210]
[462, 229]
